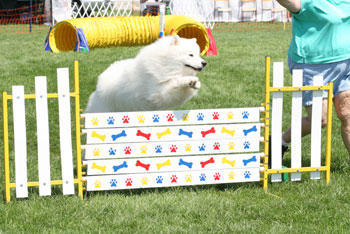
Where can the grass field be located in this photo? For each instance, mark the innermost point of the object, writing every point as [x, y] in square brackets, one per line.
[233, 78]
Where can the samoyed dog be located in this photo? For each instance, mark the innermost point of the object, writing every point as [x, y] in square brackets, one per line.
[160, 77]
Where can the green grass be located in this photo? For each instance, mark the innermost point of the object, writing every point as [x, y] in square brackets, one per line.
[233, 78]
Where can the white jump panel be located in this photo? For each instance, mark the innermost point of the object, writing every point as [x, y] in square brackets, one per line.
[20, 141]
[296, 125]
[182, 117]
[42, 123]
[168, 179]
[175, 133]
[316, 127]
[170, 148]
[276, 121]
[167, 164]
[65, 130]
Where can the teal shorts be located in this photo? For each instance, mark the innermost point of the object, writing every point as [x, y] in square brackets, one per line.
[338, 73]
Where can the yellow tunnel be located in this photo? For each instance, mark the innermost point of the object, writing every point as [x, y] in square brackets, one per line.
[124, 31]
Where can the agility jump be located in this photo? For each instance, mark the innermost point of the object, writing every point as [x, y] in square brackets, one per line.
[163, 148]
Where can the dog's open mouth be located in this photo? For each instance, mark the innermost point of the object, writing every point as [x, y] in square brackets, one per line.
[194, 68]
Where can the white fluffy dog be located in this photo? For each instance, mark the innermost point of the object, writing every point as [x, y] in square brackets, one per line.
[162, 76]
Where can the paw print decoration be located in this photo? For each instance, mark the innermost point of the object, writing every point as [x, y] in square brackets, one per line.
[128, 182]
[158, 149]
[110, 120]
[112, 151]
[159, 179]
[173, 179]
[170, 117]
[95, 121]
[247, 174]
[141, 119]
[216, 116]
[113, 183]
[200, 117]
[127, 150]
[173, 148]
[246, 145]
[155, 119]
[216, 146]
[217, 176]
[202, 147]
[245, 114]
[126, 119]
[202, 177]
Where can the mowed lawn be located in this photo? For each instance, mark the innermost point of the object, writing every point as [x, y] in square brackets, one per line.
[233, 78]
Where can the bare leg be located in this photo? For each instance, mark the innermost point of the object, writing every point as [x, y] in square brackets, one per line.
[306, 122]
[342, 107]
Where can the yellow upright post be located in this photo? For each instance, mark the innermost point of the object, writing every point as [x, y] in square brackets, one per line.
[77, 128]
[6, 148]
[267, 120]
[329, 132]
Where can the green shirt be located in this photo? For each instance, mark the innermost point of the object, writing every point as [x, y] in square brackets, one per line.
[321, 32]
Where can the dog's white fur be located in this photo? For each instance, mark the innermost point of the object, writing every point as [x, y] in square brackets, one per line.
[161, 76]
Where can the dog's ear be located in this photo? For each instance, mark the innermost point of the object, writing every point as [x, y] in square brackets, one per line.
[175, 41]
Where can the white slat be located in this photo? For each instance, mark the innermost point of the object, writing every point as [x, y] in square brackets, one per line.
[172, 133]
[65, 130]
[317, 98]
[42, 123]
[180, 117]
[296, 124]
[276, 120]
[167, 179]
[167, 164]
[171, 148]
[20, 141]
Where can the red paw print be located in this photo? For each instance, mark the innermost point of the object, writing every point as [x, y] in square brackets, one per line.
[126, 119]
[216, 115]
[216, 146]
[217, 176]
[127, 150]
[128, 182]
[170, 117]
[173, 179]
[173, 148]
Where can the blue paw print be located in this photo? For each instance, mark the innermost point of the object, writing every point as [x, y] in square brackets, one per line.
[246, 145]
[155, 119]
[202, 147]
[158, 149]
[200, 117]
[245, 114]
[247, 174]
[113, 183]
[159, 180]
[112, 151]
[202, 177]
[110, 120]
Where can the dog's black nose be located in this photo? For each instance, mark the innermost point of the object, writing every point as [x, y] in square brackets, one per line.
[204, 63]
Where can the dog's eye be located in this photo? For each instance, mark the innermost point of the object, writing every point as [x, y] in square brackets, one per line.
[191, 55]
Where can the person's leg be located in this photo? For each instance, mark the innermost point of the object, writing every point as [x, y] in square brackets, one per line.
[306, 122]
[342, 107]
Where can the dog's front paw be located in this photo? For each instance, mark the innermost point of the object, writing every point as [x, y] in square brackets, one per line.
[194, 83]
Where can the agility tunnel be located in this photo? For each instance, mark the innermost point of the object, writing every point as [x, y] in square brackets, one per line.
[70, 35]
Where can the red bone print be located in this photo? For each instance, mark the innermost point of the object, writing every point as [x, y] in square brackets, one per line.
[204, 133]
[145, 135]
[211, 160]
[140, 164]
